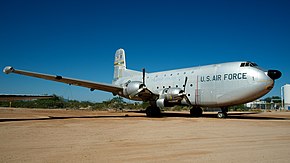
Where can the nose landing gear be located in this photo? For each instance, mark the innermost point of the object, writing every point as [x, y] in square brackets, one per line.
[223, 113]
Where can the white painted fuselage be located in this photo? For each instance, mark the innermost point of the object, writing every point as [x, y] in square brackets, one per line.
[215, 85]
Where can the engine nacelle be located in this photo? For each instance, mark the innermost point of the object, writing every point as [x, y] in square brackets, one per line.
[170, 97]
[132, 88]
[172, 94]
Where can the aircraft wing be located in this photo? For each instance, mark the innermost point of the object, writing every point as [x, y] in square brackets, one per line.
[83, 83]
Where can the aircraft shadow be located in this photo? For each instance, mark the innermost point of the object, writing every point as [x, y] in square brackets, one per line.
[214, 115]
[65, 117]
[164, 115]
[230, 116]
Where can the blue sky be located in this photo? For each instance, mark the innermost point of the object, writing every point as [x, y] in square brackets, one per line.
[79, 38]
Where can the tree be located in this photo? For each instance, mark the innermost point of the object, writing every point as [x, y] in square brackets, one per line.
[275, 99]
[117, 99]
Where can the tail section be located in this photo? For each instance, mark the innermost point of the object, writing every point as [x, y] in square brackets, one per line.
[120, 69]
[119, 64]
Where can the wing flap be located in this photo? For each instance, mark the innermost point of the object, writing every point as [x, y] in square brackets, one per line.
[82, 83]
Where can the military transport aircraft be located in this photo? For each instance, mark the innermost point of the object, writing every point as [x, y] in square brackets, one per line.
[218, 85]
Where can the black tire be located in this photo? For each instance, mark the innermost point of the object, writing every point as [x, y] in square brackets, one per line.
[222, 115]
[196, 112]
[153, 112]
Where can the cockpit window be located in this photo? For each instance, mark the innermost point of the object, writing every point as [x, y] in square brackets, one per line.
[253, 64]
[248, 64]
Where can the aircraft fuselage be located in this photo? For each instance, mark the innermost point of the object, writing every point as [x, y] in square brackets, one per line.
[215, 85]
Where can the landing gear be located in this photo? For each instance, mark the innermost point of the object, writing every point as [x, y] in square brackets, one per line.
[153, 111]
[196, 112]
[223, 113]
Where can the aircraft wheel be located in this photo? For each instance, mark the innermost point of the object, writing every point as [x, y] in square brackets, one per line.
[196, 112]
[153, 111]
[222, 115]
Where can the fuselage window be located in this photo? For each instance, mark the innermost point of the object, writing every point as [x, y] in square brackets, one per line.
[191, 85]
[176, 86]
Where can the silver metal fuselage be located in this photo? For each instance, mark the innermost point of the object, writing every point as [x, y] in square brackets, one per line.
[215, 85]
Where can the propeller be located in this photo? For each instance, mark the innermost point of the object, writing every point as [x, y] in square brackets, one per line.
[184, 94]
[185, 82]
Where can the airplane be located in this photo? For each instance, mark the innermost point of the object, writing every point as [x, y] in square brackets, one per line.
[213, 86]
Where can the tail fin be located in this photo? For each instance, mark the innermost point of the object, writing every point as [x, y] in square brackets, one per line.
[120, 69]
[119, 64]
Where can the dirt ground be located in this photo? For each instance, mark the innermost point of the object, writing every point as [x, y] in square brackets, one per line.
[38, 135]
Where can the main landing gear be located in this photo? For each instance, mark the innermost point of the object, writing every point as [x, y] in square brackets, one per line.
[196, 112]
[152, 111]
[223, 113]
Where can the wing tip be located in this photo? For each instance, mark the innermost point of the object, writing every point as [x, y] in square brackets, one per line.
[8, 69]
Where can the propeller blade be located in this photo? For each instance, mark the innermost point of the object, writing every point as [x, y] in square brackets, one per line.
[187, 100]
[184, 94]
[185, 83]
[143, 75]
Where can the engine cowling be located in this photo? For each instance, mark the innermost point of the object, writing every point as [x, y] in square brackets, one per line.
[172, 94]
[170, 97]
[132, 89]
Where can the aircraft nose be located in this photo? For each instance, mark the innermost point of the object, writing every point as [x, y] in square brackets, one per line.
[274, 74]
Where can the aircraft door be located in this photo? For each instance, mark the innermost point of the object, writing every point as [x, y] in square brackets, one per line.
[192, 90]
[206, 86]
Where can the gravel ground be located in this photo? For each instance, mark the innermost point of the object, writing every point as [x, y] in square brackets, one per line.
[39, 135]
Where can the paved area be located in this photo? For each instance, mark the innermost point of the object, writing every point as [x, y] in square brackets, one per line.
[37, 135]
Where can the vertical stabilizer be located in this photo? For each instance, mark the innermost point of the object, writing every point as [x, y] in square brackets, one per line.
[119, 64]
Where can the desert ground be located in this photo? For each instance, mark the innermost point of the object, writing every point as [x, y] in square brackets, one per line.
[41, 135]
